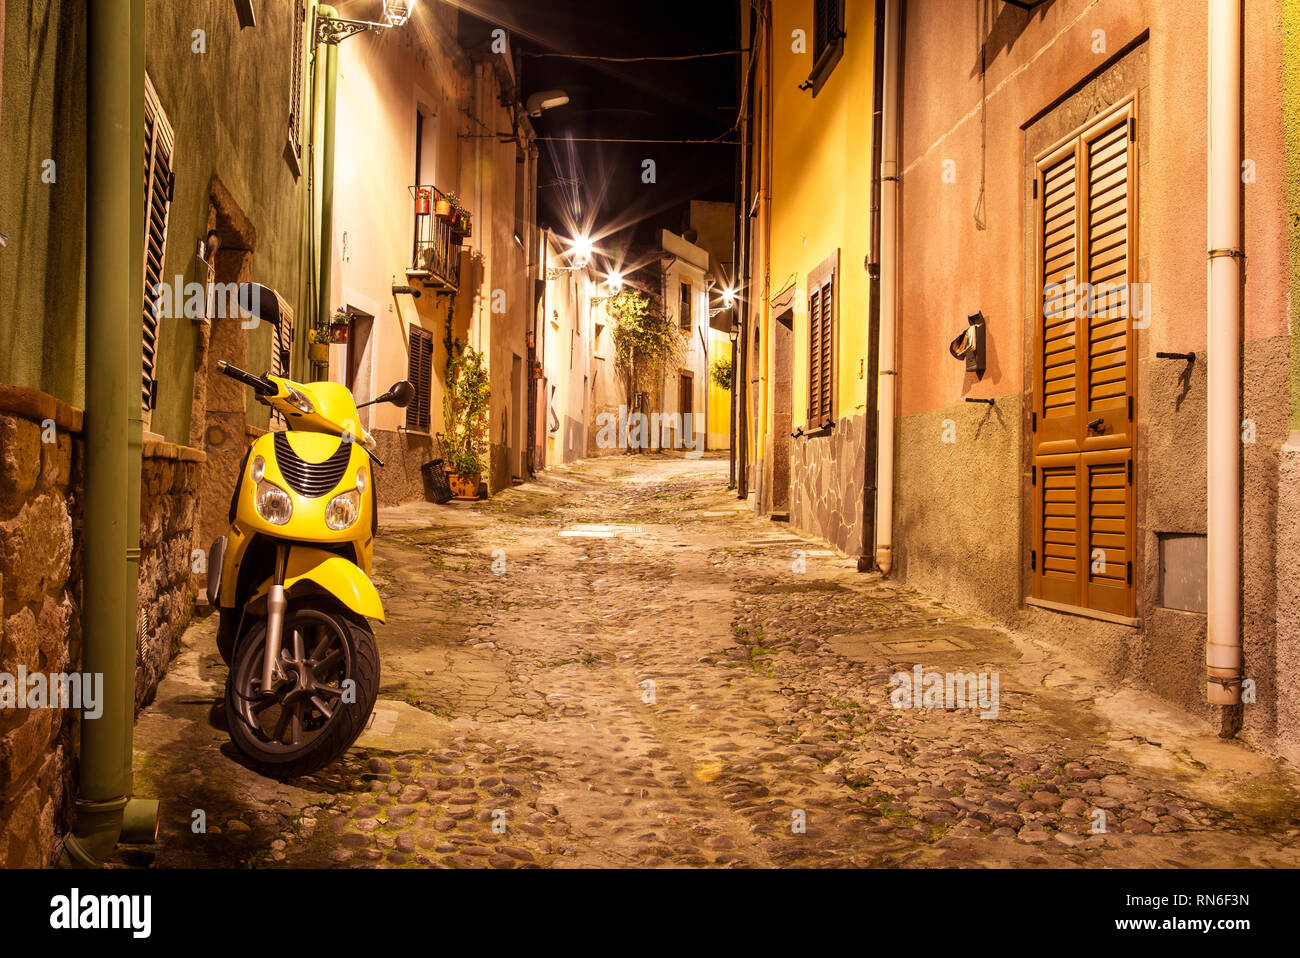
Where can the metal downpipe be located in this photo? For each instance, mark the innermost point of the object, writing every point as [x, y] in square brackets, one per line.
[106, 812]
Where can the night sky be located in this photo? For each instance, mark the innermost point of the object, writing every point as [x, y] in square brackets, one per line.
[599, 185]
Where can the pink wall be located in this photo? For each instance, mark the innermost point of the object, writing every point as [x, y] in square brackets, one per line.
[950, 268]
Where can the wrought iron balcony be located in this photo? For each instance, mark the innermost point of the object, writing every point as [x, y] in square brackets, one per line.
[435, 256]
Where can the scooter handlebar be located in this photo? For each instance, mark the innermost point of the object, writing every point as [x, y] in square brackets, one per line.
[260, 384]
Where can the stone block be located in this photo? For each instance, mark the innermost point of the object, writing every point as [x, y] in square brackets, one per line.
[20, 459]
[36, 548]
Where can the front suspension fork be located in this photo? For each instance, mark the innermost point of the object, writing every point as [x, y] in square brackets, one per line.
[276, 604]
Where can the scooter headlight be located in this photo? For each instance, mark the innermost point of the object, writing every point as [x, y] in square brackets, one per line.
[342, 510]
[273, 503]
[258, 469]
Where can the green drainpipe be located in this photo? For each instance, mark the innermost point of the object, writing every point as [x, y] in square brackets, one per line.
[106, 812]
[331, 75]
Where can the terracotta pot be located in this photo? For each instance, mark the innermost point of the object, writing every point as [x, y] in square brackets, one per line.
[339, 332]
[319, 352]
[464, 485]
[422, 204]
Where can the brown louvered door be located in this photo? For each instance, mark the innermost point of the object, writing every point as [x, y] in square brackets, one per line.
[814, 356]
[1085, 369]
[420, 375]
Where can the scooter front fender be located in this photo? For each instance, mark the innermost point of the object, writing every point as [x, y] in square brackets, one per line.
[336, 575]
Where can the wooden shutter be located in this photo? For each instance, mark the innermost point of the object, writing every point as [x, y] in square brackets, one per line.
[420, 374]
[295, 77]
[158, 185]
[1085, 368]
[821, 343]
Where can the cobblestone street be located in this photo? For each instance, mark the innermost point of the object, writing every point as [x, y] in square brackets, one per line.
[618, 665]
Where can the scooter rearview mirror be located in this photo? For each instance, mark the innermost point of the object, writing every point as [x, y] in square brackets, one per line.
[401, 394]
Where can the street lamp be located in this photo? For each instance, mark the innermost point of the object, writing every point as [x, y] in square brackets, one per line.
[331, 29]
[616, 282]
[729, 300]
[581, 250]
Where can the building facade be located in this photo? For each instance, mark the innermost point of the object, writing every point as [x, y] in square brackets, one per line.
[1048, 325]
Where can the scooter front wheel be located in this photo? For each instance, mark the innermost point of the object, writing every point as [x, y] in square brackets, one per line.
[319, 705]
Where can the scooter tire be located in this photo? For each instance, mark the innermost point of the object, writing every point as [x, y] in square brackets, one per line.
[340, 731]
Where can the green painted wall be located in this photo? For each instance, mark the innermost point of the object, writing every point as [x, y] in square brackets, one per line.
[43, 118]
[229, 109]
[1291, 122]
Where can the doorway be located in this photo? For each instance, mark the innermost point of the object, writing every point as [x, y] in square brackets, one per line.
[357, 371]
[516, 417]
[686, 407]
[782, 404]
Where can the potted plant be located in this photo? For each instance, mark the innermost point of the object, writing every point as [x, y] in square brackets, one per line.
[319, 350]
[339, 325]
[448, 204]
[422, 197]
[465, 413]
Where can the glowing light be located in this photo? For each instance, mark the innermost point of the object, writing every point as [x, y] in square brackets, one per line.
[397, 12]
[728, 297]
[581, 250]
[616, 282]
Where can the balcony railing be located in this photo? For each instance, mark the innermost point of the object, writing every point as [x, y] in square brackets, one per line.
[435, 256]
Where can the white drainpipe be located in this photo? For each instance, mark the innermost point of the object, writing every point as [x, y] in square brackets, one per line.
[1223, 334]
[888, 292]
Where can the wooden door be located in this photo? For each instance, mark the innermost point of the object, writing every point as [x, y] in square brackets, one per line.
[1082, 418]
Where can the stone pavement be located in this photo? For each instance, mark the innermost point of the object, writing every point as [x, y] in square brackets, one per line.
[618, 665]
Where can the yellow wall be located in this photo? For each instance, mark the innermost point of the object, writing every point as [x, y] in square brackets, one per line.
[821, 193]
[719, 397]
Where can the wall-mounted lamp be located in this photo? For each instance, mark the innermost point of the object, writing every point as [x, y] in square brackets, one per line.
[336, 29]
[545, 100]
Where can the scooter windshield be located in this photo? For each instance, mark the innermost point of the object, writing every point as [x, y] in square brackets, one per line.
[319, 407]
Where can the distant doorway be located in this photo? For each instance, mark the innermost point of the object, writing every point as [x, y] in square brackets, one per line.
[516, 418]
[783, 371]
[358, 363]
[686, 406]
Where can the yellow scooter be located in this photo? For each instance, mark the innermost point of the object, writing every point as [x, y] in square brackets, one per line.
[291, 581]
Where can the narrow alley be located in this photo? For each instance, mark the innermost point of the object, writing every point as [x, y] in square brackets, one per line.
[619, 665]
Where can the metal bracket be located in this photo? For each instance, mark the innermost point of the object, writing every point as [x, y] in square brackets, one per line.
[335, 29]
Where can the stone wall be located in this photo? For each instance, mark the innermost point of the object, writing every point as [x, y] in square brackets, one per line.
[40, 623]
[826, 484]
[169, 482]
[400, 479]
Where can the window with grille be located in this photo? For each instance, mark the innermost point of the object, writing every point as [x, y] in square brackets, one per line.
[419, 371]
[159, 182]
[828, 41]
[684, 312]
[295, 82]
[822, 308]
[1085, 367]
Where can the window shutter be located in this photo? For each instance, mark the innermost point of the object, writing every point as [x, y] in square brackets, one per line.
[295, 77]
[827, 352]
[1085, 368]
[158, 182]
[814, 354]
[420, 374]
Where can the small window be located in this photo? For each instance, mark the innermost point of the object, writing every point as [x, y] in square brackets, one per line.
[295, 85]
[828, 41]
[684, 313]
[821, 344]
[419, 371]
[158, 186]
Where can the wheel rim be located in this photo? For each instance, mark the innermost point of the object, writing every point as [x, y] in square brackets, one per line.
[315, 662]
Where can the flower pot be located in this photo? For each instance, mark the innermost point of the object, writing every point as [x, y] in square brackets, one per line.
[443, 209]
[319, 352]
[464, 485]
[338, 332]
[422, 204]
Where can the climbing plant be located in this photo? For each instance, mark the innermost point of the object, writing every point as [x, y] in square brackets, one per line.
[644, 337]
